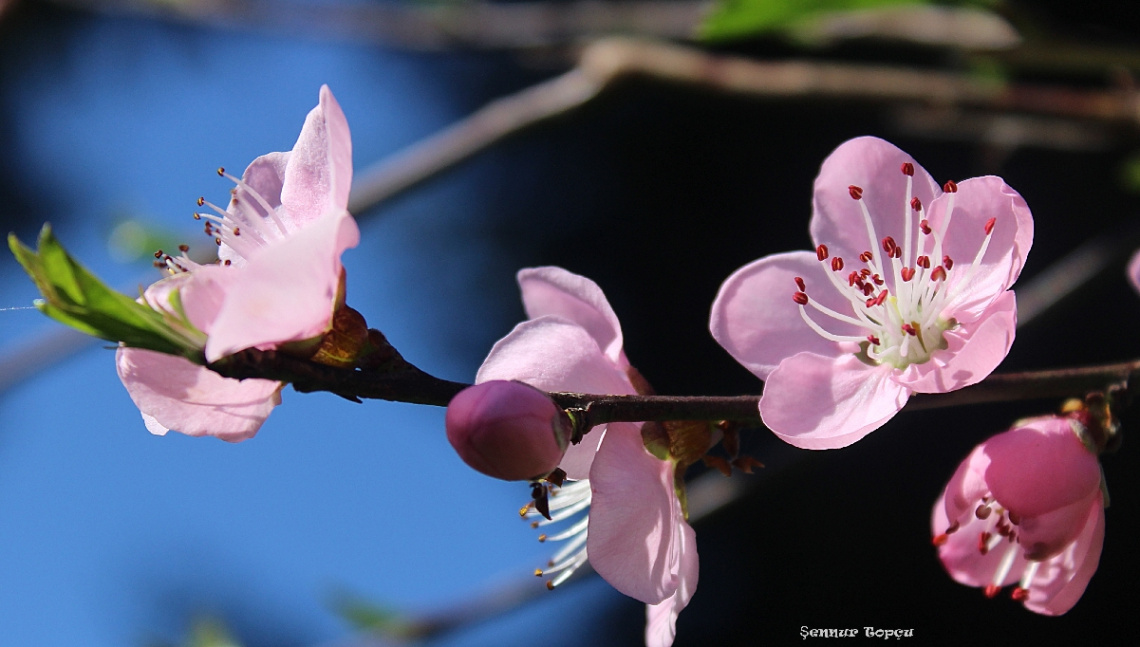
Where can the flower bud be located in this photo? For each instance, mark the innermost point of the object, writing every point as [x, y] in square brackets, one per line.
[508, 430]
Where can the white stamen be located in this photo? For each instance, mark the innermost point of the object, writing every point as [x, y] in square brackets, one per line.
[567, 502]
[1006, 563]
[1028, 574]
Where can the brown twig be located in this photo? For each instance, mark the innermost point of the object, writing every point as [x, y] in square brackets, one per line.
[409, 384]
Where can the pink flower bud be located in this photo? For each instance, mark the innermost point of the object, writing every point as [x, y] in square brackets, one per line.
[508, 430]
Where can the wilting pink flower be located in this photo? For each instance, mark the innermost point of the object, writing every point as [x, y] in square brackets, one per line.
[907, 291]
[280, 281]
[1025, 507]
[635, 535]
[508, 430]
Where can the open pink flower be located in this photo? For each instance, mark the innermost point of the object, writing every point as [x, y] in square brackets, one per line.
[280, 281]
[636, 536]
[907, 291]
[1025, 507]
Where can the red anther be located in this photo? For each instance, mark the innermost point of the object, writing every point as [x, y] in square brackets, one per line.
[852, 278]
[992, 590]
[800, 298]
[948, 263]
[990, 225]
[228, 261]
[866, 257]
[916, 204]
[983, 511]
[881, 298]
[907, 168]
[836, 264]
[868, 289]
[1019, 594]
[221, 171]
[821, 252]
[909, 329]
[1014, 518]
[889, 246]
[925, 226]
[183, 248]
[878, 280]
[940, 539]
[897, 253]
[158, 254]
[950, 187]
[864, 272]
[869, 303]
[907, 273]
[237, 231]
[939, 274]
[201, 201]
[984, 543]
[800, 284]
[923, 262]
[856, 192]
[874, 340]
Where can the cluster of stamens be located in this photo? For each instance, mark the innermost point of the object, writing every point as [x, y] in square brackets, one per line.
[899, 294]
[250, 221]
[569, 503]
[175, 264]
[998, 525]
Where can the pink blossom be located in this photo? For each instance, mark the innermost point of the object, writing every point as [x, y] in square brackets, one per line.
[508, 430]
[280, 281]
[1025, 507]
[907, 291]
[636, 536]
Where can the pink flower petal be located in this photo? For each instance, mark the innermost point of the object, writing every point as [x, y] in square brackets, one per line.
[555, 354]
[755, 319]
[966, 487]
[661, 618]
[1062, 580]
[875, 166]
[634, 540]
[977, 200]
[973, 350]
[287, 291]
[318, 175]
[1073, 473]
[554, 291]
[174, 393]
[816, 402]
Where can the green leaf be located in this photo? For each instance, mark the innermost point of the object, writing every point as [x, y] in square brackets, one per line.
[77, 298]
[732, 19]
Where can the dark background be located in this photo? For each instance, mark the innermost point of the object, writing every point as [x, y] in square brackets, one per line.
[658, 192]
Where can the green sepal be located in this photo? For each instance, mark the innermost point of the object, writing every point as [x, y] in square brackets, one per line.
[75, 297]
